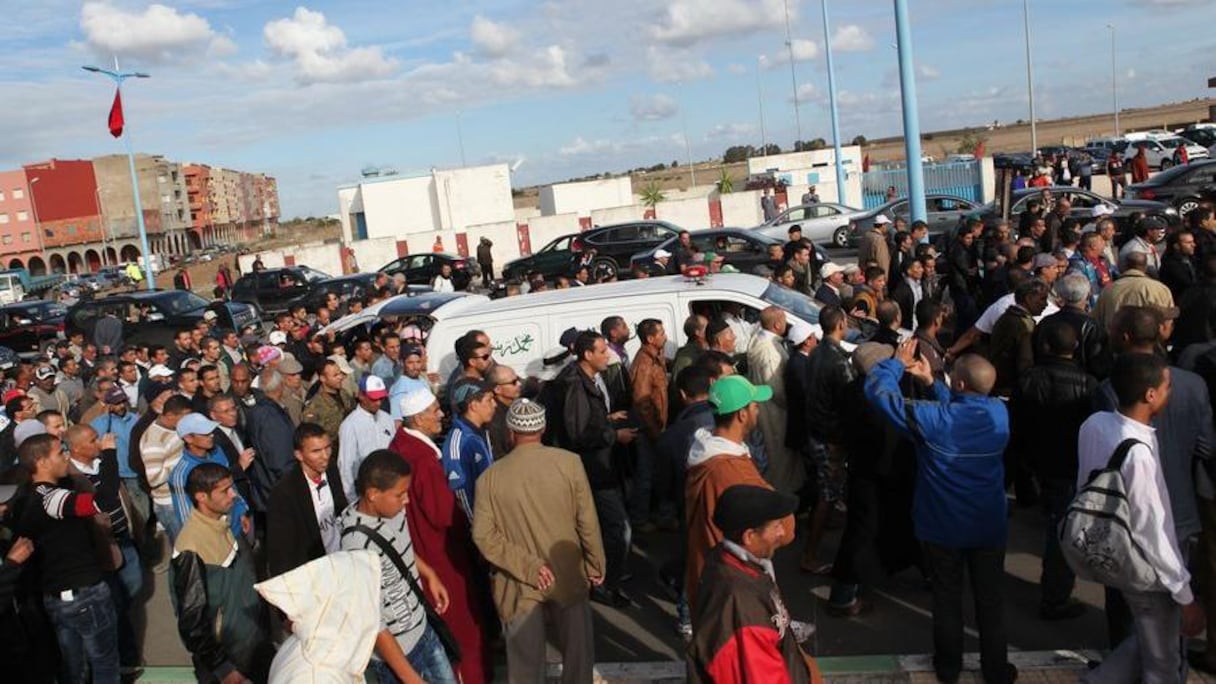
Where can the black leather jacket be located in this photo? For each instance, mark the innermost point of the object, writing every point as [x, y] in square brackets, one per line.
[1048, 405]
[584, 427]
[1093, 355]
[830, 373]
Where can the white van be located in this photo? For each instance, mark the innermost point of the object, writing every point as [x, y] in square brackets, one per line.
[527, 328]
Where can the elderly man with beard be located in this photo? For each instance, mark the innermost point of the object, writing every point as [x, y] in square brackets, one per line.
[440, 530]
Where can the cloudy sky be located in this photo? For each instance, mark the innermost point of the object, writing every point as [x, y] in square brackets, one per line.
[313, 93]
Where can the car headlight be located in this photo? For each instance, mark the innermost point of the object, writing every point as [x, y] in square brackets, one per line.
[1171, 211]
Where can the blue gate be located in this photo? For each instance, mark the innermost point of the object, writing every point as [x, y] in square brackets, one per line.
[953, 178]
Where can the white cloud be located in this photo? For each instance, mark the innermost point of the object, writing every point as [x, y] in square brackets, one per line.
[687, 22]
[157, 34]
[582, 147]
[852, 38]
[320, 52]
[807, 92]
[545, 68]
[491, 38]
[804, 51]
[730, 131]
[653, 107]
[925, 72]
[676, 66]
[1131, 74]
[736, 68]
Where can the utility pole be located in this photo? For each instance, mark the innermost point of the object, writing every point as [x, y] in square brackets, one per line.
[907, 89]
[1034, 131]
[789, 44]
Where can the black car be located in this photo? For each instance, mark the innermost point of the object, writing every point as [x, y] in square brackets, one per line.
[1183, 187]
[155, 316]
[27, 327]
[614, 246]
[1083, 203]
[743, 249]
[421, 269]
[277, 289]
[346, 287]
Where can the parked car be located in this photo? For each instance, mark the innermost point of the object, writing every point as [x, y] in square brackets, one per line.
[1204, 137]
[614, 246]
[826, 222]
[1160, 150]
[1083, 203]
[277, 289]
[27, 327]
[741, 248]
[942, 212]
[348, 286]
[421, 269]
[155, 316]
[1182, 186]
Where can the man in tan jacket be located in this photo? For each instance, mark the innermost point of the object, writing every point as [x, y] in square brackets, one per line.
[534, 520]
[874, 247]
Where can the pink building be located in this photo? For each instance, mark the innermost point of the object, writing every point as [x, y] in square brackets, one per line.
[18, 233]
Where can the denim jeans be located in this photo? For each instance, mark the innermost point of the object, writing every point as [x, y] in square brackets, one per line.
[616, 533]
[428, 660]
[167, 517]
[126, 584]
[88, 638]
[1057, 581]
[1155, 652]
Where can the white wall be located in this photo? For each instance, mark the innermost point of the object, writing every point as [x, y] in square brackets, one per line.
[505, 239]
[584, 197]
[741, 209]
[349, 202]
[399, 206]
[326, 258]
[689, 193]
[543, 229]
[473, 195]
[522, 214]
[692, 214]
[373, 253]
[988, 180]
[801, 169]
[270, 259]
[607, 217]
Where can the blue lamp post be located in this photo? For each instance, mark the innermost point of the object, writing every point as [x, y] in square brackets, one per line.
[118, 77]
[907, 89]
[841, 195]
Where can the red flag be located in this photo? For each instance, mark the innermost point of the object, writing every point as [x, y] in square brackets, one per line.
[116, 122]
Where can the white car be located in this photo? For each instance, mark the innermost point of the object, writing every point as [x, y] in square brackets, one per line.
[1160, 151]
[818, 221]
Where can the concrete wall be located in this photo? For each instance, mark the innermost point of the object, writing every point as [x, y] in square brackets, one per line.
[504, 237]
[270, 259]
[472, 196]
[543, 229]
[326, 258]
[349, 201]
[692, 214]
[585, 197]
[607, 217]
[399, 206]
[522, 214]
[741, 209]
[373, 253]
[800, 169]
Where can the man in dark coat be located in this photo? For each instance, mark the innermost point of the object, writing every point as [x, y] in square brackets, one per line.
[485, 259]
[309, 491]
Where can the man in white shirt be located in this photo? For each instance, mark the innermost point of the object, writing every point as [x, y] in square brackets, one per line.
[1155, 649]
[365, 430]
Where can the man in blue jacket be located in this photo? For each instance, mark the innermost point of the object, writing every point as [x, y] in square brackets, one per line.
[959, 508]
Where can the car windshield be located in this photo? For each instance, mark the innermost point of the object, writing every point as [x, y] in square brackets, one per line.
[312, 275]
[792, 301]
[180, 302]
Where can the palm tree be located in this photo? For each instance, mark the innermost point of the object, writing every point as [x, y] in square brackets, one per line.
[652, 194]
[726, 184]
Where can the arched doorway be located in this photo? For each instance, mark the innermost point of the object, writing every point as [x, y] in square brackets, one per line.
[196, 240]
[75, 262]
[58, 264]
[93, 260]
[37, 266]
[111, 256]
[15, 263]
[130, 253]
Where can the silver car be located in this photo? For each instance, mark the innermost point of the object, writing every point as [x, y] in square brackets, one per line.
[820, 222]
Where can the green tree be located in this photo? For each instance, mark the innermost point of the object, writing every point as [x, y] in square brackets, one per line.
[771, 148]
[726, 184]
[970, 140]
[860, 140]
[652, 194]
[738, 153]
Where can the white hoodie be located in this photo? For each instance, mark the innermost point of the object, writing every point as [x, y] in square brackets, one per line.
[706, 445]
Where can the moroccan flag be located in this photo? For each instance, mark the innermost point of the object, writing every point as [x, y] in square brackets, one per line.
[116, 121]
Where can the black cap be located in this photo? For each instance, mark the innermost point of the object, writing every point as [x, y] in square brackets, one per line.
[1154, 223]
[794, 229]
[745, 507]
[569, 335]
[715, 326]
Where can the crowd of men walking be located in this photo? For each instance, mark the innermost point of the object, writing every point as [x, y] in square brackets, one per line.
[482, 511]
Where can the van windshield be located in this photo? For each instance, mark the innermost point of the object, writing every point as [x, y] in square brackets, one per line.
[180, 302]
[792, 301]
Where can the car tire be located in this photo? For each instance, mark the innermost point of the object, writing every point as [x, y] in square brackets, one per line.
[1187, 205]
[840, 238]
[603, 267]
[1165, 164]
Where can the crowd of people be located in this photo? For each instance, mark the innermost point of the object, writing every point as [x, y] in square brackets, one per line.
[485, 510]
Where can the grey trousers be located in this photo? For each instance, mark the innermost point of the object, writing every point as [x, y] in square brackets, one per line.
[525, 636]
[1155, 651]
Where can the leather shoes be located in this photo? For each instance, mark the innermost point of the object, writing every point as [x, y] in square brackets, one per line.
[849, 610]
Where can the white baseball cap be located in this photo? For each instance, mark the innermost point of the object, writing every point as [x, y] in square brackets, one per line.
[799, 332]
[278, 337]
[1100, 211]
[830, 269]
[881, 219]
[662, 254]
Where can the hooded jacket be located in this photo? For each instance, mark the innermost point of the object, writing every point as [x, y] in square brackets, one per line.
[714, 464]
[333, 604]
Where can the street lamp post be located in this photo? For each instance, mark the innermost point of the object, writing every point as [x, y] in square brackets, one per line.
[827, 44]
[789, 44]
[760, 101]
[1034, 131]
[118, 77]
[1114, 78]
[907, 90]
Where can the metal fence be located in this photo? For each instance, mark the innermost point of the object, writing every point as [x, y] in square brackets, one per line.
[955, 178]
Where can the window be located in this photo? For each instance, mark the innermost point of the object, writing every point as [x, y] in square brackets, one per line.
[8, 239]
[3, 218]
[18, 193]
[71, 230]
[22, 216]
[823, 211]
[1, 195]
[25, 237]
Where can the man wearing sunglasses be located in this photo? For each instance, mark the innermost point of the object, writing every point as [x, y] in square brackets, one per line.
[507, 387]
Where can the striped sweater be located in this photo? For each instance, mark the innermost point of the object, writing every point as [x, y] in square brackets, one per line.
[400, 612]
